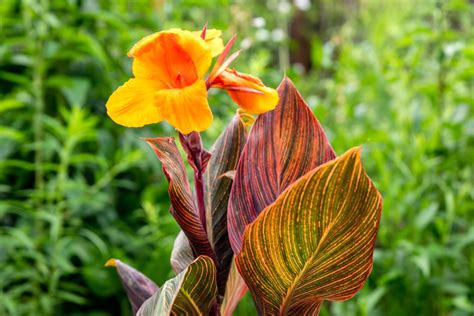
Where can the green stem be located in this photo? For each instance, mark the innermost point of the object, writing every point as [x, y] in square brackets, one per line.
[37, 88]
[440, 21]
[37, 30]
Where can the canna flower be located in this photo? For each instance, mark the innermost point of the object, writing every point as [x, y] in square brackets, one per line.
[169, 84]
[169, 67]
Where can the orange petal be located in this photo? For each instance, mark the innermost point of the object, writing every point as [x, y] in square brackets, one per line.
[167, 54]
[186, 109]
[262, 100]
[133, 104]
[213, 40]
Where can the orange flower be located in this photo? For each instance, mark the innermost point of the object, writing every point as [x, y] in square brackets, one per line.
[247, 91]
[169, 67]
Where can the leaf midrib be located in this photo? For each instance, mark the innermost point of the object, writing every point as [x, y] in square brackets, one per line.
[190, 300]
[289, 294]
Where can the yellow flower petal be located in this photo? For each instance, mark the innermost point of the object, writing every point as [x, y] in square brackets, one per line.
[213, 40]
[133, 104]
[186, 109]
[251, 102]
[165, 54]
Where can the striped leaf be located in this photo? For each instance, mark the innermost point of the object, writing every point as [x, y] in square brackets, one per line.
[191, 292]
[137, 286]
[225, 156]
[234, 291]
[282, 146]
[315, 242]
[183, 207]
[182, 254]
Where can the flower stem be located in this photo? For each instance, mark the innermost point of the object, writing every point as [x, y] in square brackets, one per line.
[198, 158]
[199, 187]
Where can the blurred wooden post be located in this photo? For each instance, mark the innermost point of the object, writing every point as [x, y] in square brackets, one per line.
[318, 20]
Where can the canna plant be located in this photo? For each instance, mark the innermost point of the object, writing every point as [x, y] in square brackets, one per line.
[274, 210]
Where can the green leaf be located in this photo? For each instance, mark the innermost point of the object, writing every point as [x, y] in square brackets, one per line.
[192, 292]
[139, 287]
[315, 242]
[183, 207]
[225, 156]
[11, 133]
[282, 146]
[74, 89]
[10, 104]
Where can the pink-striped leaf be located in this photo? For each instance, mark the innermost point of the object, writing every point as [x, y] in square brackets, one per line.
[191, 292]
[315, 242]
[183, 207]
[182, 253]
[282, 146]
[234, 291]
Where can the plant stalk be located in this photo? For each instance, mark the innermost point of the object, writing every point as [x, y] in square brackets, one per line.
[198, 158]
[199, 188]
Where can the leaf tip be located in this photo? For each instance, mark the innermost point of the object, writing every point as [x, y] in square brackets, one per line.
[285, 82]
[358, 150]
[246, 118]
[228, 174]
[354, 155]
[354, 152]
[203, 32]
[152, 141]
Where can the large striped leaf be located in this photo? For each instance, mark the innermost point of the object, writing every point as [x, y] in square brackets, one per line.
[183, 207]
[282, 146]
[315, 242]
[225, 156]
[192, 292]
[137, 285]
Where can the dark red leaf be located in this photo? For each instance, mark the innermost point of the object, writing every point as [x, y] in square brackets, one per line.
[225, 156]
[183, 207]
[283, 145]
[138, 286]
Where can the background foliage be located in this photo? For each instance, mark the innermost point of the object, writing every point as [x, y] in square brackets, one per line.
[76, 189]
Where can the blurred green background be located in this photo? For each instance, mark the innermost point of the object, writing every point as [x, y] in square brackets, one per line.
[76, 189]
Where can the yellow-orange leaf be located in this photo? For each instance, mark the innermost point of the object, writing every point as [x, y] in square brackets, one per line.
[191, 292]
[315, 242]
